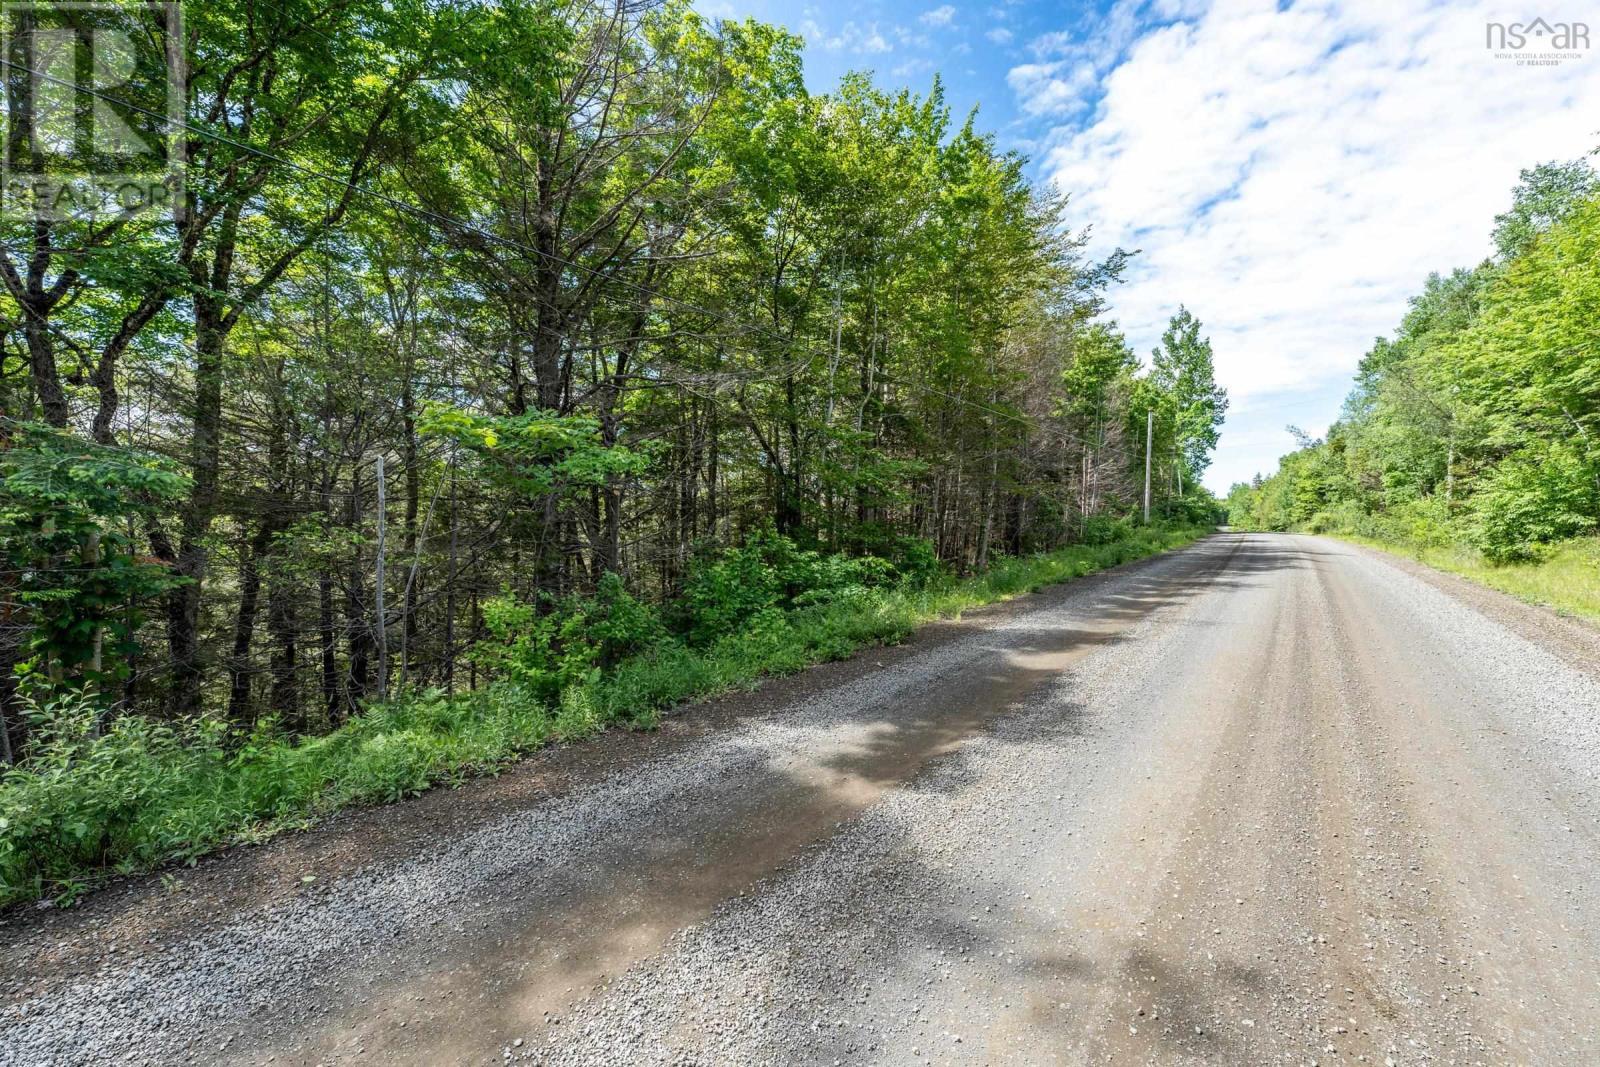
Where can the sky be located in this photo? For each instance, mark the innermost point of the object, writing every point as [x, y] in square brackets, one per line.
[1289, 171]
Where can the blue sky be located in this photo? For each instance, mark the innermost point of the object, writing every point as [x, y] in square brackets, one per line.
[1292, 171]
[972, 46]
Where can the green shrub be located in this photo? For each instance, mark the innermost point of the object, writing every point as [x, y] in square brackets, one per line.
[548, 651]
[917, 562]
[1322, 522]
[1194, 509]
[74, 807]
[734, 586]
[770, 572]
[142, 793]
[1103, 529]
[1425, 522]
[1532, 500]
[1418, 523]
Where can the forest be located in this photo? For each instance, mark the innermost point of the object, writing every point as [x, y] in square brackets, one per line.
[1471, 434]
[502, 371]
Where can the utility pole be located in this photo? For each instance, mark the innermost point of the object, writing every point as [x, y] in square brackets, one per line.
[1149, 444]
[450, 589]
[383, 627]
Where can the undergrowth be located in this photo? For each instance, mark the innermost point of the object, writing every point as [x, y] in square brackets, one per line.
[90, 803]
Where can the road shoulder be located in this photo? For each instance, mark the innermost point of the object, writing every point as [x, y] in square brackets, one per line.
[1576, 642]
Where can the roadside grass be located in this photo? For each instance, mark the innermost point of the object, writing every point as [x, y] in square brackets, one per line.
[1566, 576]
[89, 806]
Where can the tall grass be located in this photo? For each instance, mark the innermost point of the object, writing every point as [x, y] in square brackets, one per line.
[86, 806]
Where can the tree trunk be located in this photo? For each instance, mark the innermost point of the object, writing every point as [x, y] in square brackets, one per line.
[239, 672]
[183, 604]
[357, 624]
[408, 548]
[282, 622]
[42, 361]
[327, 642]
[12, 723]
[789, 514]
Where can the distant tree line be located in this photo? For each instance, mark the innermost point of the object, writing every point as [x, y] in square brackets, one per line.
[1479, 420]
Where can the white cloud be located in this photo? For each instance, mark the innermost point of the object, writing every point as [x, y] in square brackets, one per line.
[1057, 87]
[999, 35]
[939, 16]
[1292, 174]
[910, 38]
[871, 41]
[1070, 63]
[852, 37]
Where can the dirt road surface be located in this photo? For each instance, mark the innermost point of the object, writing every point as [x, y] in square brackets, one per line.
[1269, 799]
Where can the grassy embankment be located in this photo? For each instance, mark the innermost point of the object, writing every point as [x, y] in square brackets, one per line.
[87, 807]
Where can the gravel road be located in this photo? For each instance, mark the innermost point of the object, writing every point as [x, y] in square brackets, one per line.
[1269, 799]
